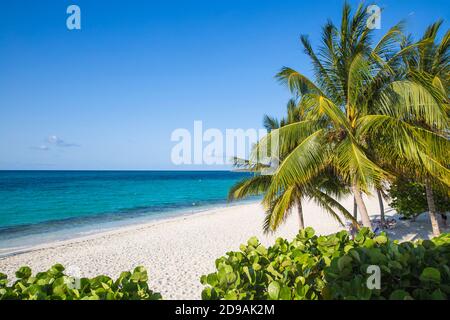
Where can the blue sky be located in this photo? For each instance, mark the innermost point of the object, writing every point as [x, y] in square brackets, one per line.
[109, 95]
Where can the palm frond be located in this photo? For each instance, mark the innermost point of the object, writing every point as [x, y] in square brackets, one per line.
[249, 187]
[280, 208]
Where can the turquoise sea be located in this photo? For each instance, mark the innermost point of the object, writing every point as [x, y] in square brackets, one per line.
[42, 206]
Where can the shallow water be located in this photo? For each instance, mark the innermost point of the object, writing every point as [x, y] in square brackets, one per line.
[42, 206]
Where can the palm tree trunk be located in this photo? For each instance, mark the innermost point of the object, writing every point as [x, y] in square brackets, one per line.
[432, 209]
[355, 209]
[380, 201]
[361, 207]
[300, 215]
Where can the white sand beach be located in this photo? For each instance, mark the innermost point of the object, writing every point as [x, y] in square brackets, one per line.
[177, 251]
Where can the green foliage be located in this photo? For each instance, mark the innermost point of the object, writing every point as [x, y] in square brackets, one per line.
[332, 267]
[409, 270]
[370, 108]
[409, 198]
[286, 270]
[55, 285]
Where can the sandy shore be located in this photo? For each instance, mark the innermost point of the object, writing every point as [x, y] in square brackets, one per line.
[178, 251]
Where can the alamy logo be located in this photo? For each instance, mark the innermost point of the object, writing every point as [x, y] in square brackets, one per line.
[374, 20]
[73, 21]
[73, 279]
[374, 280]
[215, 147]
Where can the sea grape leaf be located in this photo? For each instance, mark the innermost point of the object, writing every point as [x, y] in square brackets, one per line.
[430, 274]
[274, 290]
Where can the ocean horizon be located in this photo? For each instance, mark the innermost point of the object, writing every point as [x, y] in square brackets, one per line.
[42, 206]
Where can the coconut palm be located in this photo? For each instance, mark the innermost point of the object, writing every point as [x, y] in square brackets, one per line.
[322, 190]
[358, 100]
[428, 65]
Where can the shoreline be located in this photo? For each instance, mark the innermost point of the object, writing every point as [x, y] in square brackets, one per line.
[177, 251]
[120, 228]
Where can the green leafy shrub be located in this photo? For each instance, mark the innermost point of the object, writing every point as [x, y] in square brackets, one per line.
[410, 270]
[409, 198]
[55, 285]
[331, 267]
[286, 270]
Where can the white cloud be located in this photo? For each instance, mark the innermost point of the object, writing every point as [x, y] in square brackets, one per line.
[54, 141]
[42, 147]
[58, 142]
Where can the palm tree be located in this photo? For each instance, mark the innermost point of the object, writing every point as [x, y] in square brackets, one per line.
[359, 99]
[321, 190]
[428, 65]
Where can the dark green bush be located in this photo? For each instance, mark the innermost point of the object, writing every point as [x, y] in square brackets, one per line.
[55, 285]
[409, 198]
[332, 267]
[418, 270]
